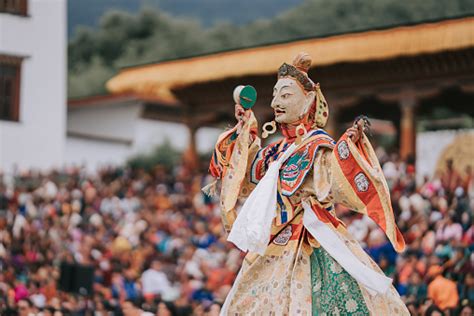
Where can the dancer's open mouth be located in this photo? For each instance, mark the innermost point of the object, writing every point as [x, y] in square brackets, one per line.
[279, 112]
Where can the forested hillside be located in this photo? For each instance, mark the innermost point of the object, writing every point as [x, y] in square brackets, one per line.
[123, 38]
[208, 12]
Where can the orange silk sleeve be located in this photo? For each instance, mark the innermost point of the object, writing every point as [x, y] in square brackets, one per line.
[222, 152]
[360, 184]
[233, 153]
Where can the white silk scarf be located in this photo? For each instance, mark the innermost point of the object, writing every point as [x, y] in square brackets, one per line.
[251, 229]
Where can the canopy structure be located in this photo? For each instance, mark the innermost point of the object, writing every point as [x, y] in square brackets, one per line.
[392, 74]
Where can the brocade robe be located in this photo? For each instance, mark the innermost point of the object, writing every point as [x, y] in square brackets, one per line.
[296, 276]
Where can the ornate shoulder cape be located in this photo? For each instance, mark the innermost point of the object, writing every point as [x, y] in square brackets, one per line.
[294, 170]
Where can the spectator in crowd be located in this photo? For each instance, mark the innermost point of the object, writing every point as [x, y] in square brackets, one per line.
[155, 281]
[442, 291]
[450, 177]
[416, 289]
[25, 307]
[466, 289]
[466, 310]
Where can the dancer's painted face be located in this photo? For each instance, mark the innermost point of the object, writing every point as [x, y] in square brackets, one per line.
[290, 102]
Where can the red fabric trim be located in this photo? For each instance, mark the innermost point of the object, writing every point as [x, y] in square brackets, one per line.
[296, 230]
[289, 130]
[370, 198]
[324, 215]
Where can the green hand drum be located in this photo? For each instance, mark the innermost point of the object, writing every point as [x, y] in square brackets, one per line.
[245, 96]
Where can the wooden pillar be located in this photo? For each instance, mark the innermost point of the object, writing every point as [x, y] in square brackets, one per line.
[407, 126]
[191, 157]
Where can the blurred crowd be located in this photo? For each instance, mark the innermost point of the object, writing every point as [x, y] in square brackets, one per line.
[435, 275]
[157, 244]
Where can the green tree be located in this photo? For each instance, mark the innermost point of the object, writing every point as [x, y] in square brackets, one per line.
[164, 155]
[124, 39]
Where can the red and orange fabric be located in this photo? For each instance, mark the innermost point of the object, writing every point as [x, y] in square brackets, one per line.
[359, 174]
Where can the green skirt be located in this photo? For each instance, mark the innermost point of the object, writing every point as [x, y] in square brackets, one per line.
[334, 291]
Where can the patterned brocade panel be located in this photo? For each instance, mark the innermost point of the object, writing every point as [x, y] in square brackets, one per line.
[334, 291]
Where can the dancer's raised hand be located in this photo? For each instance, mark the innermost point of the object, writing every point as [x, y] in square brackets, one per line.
[241, 114]
[355, 131]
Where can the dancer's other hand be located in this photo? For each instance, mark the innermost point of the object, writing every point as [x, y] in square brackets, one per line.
[355, 131]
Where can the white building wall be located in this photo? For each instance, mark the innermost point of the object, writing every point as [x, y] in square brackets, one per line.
[92, 131]
[101, 135]
[38, 140]
[94, 154]
[116, 121]
[150, 134]
[206, 138]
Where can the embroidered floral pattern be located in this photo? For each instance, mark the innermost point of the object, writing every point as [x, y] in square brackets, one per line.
[328, 278]
[335, 267]
[351, 305]
[344, 287]
[273, 285]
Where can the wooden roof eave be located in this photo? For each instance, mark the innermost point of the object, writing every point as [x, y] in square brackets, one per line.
[160, 79]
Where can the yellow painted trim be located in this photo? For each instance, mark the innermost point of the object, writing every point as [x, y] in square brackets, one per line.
[157, 80]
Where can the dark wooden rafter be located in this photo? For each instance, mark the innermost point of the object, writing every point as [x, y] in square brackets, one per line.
[379, 88]
[345, 84]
